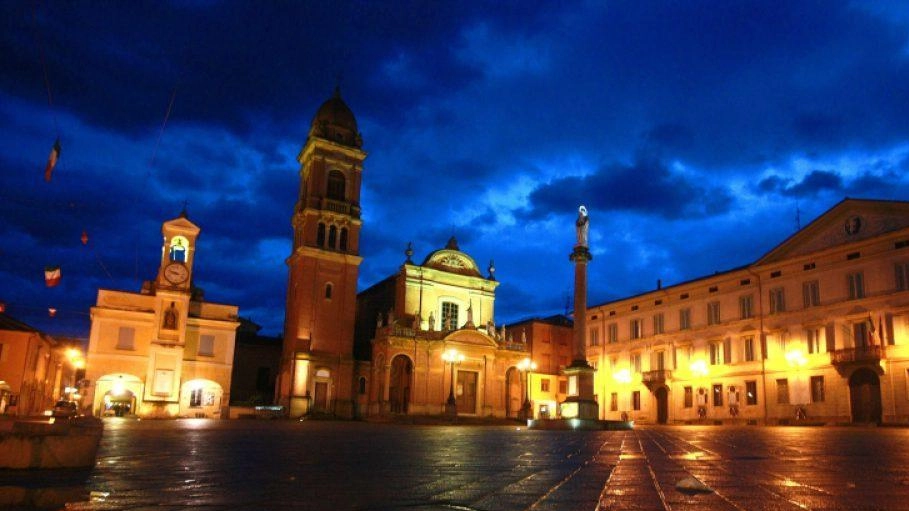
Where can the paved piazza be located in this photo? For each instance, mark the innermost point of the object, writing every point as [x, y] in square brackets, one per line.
[339, 466]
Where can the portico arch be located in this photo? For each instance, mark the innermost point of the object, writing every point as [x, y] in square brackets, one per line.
[400, 383]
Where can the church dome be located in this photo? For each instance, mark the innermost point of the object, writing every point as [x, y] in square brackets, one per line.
[336, 122]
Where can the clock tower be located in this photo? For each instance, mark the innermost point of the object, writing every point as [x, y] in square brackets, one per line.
[317, 365]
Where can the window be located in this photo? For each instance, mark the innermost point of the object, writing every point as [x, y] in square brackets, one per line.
[658, 323]
[342, 244]
[636, 400]
[320, 235]
[750, 392]
[777, 300]
[684, 319]
[126, 338]
[856, 283]
[449, 316]
[207, 345]
[717, 394]
[636, 362]
[727, 351]
[544, 385]
[745, 306]
[659, 360]
[332, 237]
[689, 398]
[614, 402]
[902, 276]
[713, 313]
[613, 332]
[328, 291]
[813, 339]
[811, 295]
[715, 354]
[563, 386]
[748, 343]
[860, 336]
[195, 398]
[594, 337]
[782, 391]
[335, 185]
[817, 389]
[637, 328]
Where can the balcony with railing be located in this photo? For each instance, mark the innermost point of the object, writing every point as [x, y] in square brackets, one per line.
[856, 354]
[656, 378]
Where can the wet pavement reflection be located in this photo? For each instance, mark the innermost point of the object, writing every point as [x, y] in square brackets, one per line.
[347, 465]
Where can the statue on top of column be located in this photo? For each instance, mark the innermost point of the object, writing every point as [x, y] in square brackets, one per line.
[582, 226]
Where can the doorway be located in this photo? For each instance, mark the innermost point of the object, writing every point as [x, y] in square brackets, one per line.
[467, 392]
[512, 393]
[662, 398]
[865, 396]
[399, 384]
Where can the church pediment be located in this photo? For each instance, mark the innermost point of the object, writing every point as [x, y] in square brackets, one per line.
[452, 261]
[849, 221]
[471, 337]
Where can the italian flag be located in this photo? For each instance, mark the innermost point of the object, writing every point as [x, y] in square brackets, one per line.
[52, 275]
[52, 160]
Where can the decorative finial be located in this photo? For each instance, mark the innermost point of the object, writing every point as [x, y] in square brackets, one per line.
[492, 270]
[409, 253]
[184, 214]
[452, 243]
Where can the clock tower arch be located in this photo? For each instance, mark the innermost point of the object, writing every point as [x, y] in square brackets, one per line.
[317, 364]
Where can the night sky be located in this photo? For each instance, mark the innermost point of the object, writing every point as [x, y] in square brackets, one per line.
[698, 134]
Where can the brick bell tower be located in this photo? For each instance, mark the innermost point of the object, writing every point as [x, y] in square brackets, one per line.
[317, 363]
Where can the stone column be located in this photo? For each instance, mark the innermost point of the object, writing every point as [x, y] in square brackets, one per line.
[580, 402]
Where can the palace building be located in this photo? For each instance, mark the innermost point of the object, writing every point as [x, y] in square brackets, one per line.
[816, 330]
[165, 351]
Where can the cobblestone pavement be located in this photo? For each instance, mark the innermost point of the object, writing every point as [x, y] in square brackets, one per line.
[337, 466]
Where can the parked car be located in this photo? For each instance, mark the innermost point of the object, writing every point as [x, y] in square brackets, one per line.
[65, 409]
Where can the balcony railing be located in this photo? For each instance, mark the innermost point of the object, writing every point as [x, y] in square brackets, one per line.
[857, 354]
[656, 376]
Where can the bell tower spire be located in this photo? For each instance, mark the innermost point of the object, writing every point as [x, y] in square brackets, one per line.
[317, 361]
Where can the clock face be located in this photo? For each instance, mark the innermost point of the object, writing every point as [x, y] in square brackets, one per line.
[176, 273]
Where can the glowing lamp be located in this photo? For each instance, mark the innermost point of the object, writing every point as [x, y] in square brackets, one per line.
[699, 368]
[796, 358]
[118, 389]
[622, 376]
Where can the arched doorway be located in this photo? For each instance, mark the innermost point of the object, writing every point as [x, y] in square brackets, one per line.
[399, 384]
[512, 393]
[662, 398]
[865, 396]
[119, 403]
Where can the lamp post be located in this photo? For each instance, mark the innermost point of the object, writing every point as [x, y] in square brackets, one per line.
[526, 365]
[452, 356]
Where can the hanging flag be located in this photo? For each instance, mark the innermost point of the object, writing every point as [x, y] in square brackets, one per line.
[84, 238]
[52, 160]
[52, 275]
[52, 312]
[2, 307]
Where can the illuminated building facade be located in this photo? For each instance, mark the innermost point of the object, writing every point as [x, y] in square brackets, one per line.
[434, 349]
[815, 330]
[34, 368]
[549, 341]
[162, 352]
[317, 363]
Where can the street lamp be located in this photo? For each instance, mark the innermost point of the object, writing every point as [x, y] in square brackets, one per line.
[527, 366]
[452, 356]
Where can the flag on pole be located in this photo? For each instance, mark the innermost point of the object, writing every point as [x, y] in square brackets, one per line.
[84, 238]
[52, 160]
[52, 275]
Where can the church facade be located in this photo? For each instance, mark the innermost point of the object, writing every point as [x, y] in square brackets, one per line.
[816, 330]
[386, 351]
[164, 351]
